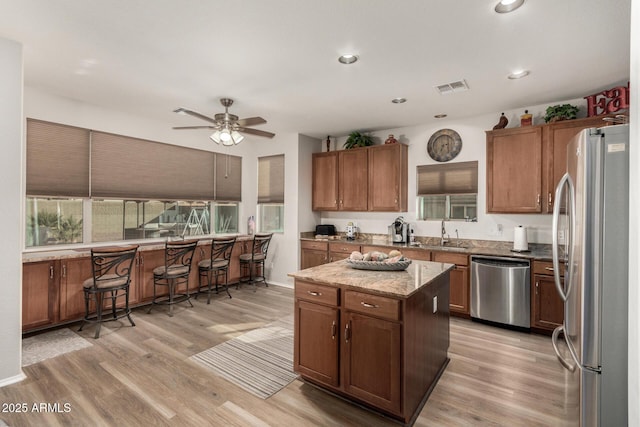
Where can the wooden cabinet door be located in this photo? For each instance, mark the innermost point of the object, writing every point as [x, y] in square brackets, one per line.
[325, 181]
[73, 274]
[147, 261]
[388, 178]
[557, 137]
[371, 360]
[514, 170]
[459, 290]
[353, 175]
[39, 294]
[311, 258]
[340, 250]
[316, 342]
[547, 308]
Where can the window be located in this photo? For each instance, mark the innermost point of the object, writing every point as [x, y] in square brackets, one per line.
[127, 187]
[53, 221]
[447, 191]
[271, 194]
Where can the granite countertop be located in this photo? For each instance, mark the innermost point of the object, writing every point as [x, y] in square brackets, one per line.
[470, 247]
[50, 253]
[390, 283]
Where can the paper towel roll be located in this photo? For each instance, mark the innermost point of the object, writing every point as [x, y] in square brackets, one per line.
[520, 239]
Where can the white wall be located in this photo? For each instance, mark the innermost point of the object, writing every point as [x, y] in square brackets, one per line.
[11, 211]
[472, 132]
[634, 229]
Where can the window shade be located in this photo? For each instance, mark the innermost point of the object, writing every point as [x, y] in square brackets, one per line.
[228, 178]
[57, 160]
[130, 168]
[271, 179]
[449, 178]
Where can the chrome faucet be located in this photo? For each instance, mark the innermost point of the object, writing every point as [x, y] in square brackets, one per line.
[443, 232]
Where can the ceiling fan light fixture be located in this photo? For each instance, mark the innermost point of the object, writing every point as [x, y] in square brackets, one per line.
[215, 137]
[518, 74]
[236, 137]
[180, 111]
[506, 6]
[347, 59]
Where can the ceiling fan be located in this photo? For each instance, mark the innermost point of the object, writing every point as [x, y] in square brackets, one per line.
[227, 126]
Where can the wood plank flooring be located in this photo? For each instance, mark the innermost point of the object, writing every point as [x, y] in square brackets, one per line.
[141, 376]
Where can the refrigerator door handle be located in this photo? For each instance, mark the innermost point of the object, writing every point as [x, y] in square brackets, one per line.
[566, 179]
[554, 341]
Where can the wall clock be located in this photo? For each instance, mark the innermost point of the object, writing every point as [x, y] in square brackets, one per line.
[444, 145]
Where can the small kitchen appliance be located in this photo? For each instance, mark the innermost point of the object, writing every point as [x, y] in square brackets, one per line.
[325, 230]
[399, 231]
[352, 231]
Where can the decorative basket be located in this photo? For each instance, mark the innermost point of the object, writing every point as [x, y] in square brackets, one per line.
[379, 265]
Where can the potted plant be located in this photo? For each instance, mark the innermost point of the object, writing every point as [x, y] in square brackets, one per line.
[560, 112]
[357, 139]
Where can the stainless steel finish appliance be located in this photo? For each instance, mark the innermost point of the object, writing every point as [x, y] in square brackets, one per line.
[592, 211]
[500, 290]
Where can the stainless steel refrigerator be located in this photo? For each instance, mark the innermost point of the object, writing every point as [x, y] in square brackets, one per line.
[592, 211]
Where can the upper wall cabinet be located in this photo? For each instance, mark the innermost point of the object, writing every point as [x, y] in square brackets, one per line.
[361, 179]
[524, 165]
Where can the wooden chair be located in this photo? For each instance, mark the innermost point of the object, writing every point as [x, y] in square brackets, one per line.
[252, 264]
[217, 265]
[111, 278]
[174, 272]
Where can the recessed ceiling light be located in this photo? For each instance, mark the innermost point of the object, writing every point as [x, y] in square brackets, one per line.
[518, 74]
[399, 100]
[440, 116]
[348, 59]
[506, 6]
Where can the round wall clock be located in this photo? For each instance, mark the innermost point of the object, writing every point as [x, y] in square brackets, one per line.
[444, 145]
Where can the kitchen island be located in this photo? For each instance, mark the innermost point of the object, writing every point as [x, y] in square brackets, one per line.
[378, 338]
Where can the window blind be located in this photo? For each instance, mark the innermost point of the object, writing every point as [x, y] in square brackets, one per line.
[228, 178]
[271, 179]
[57, 160]
[448, 178]
[131, 168]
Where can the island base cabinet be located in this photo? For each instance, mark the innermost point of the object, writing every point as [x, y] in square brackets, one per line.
[316, 351]
[371, 355]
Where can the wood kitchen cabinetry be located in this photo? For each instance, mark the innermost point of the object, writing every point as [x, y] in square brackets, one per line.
[313, 253]
[524, 165]
[547, 308]
[39, 294]
[341, 250]
[459, 281]
[361, 179]
[73, 273]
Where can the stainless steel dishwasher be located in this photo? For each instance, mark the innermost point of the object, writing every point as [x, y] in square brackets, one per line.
[500, 290]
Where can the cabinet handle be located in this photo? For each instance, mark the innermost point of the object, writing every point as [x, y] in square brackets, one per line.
[347, 332]
[202, 252]
[334, 330]
[341, 202]
[335, 202]
[141, 260]
[538, 200]
[367, 305]
[537, 286]
[64, 270]
[51, 272]
[550, 199]
[549, 268]
[314, 293]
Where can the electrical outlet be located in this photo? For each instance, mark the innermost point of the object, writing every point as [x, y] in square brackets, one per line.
[435, 304]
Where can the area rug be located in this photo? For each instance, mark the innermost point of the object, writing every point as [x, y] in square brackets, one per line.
[260, 361]
[51, 344]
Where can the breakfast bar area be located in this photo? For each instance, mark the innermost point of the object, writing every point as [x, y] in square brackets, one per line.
[377, 338]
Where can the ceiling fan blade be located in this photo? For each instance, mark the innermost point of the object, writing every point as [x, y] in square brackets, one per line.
[251, 121]
[257, 132]
[194, 114]
[195, 127]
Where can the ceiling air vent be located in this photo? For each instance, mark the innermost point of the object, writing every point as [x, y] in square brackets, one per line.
[447, 88]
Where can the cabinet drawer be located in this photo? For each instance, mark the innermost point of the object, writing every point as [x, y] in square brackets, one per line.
[345, 248]
[316, 293]
[373, 305]
[417, 254]
[451, 258]
[546, 268]
[310, 244]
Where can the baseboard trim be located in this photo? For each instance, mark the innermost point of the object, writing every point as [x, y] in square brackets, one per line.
[12, 380]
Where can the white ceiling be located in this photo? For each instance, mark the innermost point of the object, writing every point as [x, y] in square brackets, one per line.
[278, 58]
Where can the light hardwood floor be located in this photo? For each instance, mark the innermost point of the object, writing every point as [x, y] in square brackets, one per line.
[142, 376]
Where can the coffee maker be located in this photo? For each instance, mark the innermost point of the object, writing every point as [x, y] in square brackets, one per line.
[399, 231]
